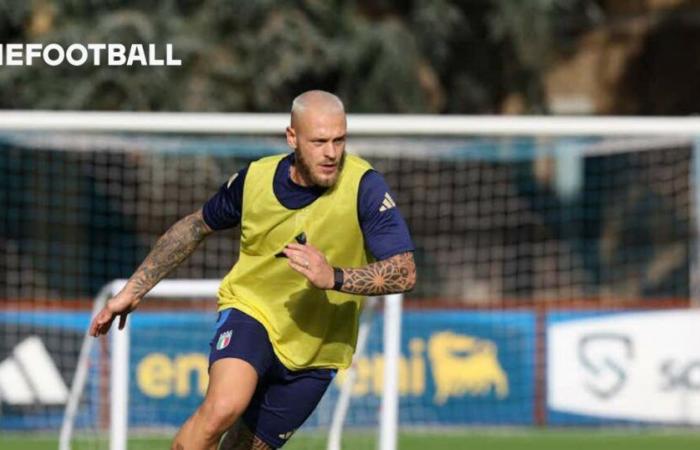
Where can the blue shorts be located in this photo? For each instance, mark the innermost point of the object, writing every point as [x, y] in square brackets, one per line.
[283, 399]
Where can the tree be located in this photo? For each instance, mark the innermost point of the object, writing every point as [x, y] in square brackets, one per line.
[256, 55]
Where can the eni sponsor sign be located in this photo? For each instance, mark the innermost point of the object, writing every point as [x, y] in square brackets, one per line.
[160, 376]
[459, 367]
[465, 365]
[456, 368]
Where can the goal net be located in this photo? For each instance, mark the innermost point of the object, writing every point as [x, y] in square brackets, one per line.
[546, 256]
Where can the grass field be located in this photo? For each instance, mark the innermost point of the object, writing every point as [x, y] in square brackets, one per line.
[449, 440]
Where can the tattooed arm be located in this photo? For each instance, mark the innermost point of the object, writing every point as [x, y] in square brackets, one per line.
[388, 276]
[171, 249]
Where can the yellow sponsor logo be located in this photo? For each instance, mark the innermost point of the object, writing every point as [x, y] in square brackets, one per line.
[465, 365]
[460, 364]
[160, 376]
[370, 373]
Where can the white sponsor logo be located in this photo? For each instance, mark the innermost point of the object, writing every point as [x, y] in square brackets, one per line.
[95, 54]
[388, 203]
[605, 357]
[641, 366]
[29, 376]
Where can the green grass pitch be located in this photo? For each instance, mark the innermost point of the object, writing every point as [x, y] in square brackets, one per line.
[579, 439]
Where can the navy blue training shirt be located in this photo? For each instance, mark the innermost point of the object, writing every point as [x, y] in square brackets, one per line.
[383, 227]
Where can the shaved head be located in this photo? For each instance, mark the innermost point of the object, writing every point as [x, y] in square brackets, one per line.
[318, 102]
[317, 136]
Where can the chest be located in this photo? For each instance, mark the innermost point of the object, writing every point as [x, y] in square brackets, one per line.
[267, 225]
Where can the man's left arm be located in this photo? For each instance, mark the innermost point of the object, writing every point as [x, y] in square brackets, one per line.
[387, 238]
[389, 276]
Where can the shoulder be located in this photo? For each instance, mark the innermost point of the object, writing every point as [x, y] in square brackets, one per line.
[223, 210]
[373, 183]
[237, 179]
[357, 163]
[373, 195]
[264, 168]
[354, 169]
[384, 228]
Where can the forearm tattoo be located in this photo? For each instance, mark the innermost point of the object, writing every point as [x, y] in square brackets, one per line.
[392, 275]
[171, 249]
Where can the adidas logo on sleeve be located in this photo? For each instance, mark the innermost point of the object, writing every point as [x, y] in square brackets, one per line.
[388, 203]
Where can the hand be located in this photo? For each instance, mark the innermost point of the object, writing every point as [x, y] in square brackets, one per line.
[121, 306]
[310, 262]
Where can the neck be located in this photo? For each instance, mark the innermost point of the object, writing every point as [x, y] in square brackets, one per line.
[297, 176]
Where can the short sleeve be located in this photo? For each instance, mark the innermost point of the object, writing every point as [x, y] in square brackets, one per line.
[224, 209]
[384, 229]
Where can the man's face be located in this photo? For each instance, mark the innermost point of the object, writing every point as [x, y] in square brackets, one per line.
[318, 140]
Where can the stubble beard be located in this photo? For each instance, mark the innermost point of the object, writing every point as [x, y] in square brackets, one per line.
[306, 171]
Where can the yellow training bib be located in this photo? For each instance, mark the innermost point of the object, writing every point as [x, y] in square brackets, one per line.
[308, 327]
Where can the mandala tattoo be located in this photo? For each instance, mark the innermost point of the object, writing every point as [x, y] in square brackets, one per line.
[392, 275]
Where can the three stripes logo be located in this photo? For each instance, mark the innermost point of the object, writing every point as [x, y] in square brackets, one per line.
[231, 180]
[29, 376]
[388, 203]
[286, 435]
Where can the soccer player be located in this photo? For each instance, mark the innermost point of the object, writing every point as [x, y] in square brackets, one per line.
[319, 231]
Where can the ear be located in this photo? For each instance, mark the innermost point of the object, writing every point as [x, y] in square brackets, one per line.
[291, 138]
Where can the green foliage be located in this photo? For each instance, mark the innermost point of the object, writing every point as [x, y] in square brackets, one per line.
[256, 55]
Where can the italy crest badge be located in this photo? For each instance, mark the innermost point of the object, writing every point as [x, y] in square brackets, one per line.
[224, 339]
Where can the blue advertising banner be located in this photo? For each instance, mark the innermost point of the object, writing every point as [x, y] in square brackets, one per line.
[38, 354]
[456, 368]
[169, 365]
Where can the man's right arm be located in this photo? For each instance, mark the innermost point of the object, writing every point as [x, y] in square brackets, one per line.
[220, 212]
[170, 250]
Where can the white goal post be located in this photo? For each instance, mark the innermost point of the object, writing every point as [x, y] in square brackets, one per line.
[358, 124]
[186, 289]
